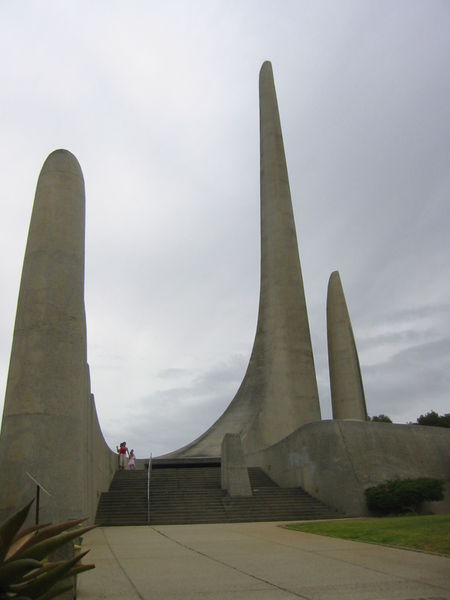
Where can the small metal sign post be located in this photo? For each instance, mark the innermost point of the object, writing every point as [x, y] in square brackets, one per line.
[39, 487]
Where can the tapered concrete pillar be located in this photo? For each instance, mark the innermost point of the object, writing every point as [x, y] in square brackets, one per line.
[283, 352]
[347, 391]
[279, 391]
[43, 429]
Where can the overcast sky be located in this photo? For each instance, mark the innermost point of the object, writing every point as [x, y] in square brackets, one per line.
[159, 103]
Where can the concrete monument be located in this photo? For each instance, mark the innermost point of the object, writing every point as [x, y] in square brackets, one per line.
[279, 390]
[50, 428]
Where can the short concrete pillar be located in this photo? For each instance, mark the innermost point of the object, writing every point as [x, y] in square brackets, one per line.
[233, 467]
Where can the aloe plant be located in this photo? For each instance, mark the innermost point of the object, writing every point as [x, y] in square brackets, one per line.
[23, 574]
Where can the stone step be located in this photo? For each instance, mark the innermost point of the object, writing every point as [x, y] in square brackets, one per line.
[258, 478]
[181, 494]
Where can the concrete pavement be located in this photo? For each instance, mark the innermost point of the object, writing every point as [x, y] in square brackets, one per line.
[252, 561]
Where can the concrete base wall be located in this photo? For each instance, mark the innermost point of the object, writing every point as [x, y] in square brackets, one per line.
[70, 458]
[335, 461]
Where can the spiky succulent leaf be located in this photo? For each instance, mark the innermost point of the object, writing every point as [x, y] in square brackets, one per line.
[10, 527]
[77, 569]
[47, 566]
[22, 575]
[50, 531]
[13, 571]
[30, 529]
[20, 542]
[42, 549]
[42, 584]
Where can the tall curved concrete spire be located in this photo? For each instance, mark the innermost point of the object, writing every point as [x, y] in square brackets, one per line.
[347, 391]
[48, 404]
[279, 391]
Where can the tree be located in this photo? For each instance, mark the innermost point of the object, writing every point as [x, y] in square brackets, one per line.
[381, 419]
[434, 420]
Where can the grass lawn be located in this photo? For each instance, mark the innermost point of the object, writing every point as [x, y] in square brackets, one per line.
[429, 533]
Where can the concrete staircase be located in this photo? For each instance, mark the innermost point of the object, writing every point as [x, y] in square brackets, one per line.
[186, 495]
[272, 503]
[126, 501]
[191, 493]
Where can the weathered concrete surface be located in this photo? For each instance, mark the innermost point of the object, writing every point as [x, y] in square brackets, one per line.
[234, 472]
[347, 391]
[335, 461]
[279, 390]
[253, 561]
[50, 427]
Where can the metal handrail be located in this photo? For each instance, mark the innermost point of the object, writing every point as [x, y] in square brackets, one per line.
[39, 487]
[148, 487]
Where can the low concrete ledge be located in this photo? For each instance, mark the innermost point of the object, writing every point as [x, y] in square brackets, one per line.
[234, 470]
[335, 461]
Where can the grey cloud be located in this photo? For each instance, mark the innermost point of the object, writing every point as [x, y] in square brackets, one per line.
[179, 414]
[171, 373]
[411, 382]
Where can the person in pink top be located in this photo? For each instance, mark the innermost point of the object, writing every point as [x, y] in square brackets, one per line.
[131, 459]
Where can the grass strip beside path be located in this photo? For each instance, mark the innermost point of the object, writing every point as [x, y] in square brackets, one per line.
[429, 533]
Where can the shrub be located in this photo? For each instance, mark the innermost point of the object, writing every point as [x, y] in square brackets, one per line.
[403, 495]
[25, 574]
[381, 419]
[434, 420]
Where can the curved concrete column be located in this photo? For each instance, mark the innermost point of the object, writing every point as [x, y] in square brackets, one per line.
[279, 390]
[44, 427]
[347, 391]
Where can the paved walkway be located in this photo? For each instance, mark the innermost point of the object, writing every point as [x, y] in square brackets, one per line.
[254, 561]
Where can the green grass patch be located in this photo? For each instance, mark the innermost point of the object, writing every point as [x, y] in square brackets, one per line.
[429, 533]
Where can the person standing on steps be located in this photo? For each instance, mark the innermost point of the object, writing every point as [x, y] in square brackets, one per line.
[123, 451]
[131, 459]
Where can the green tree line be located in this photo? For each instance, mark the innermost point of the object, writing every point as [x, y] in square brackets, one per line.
[431, 418]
